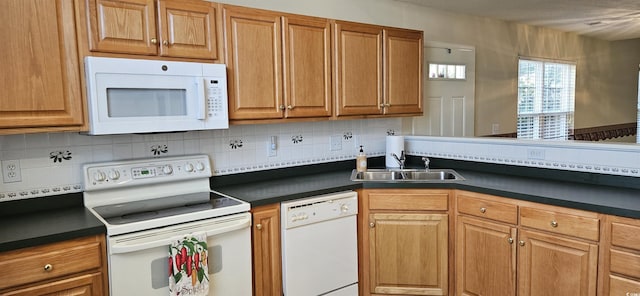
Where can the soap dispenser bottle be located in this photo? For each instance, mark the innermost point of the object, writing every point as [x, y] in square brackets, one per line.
[361, 161]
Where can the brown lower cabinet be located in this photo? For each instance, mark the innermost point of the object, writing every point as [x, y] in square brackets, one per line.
[403, 242]
[508, 247]
[73, 267]
[267, 272]
[621, 252]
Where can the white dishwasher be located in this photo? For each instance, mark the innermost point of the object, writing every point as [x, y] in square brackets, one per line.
[319, 245]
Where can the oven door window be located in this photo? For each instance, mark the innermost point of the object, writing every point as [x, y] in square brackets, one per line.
[145, 98]
[139, 102]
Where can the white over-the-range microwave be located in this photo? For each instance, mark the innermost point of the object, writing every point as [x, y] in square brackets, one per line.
[147, 96]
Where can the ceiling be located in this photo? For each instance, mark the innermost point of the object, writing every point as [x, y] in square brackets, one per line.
[604, 19]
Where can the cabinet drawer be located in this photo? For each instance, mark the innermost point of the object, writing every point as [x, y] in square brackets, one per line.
[46, 262]
[625, 263]
[623, 287]
[409, 200]
[626, 236]
[494, 210]
[578, 226]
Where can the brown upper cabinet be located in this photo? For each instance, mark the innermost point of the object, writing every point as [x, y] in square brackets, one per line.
[169, 28]
[279, 65]
[40, 79]
[378, 70]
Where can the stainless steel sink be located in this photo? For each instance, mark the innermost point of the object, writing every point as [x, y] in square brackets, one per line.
[406, 175]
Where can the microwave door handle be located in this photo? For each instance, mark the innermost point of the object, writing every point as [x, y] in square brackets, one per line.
[121, 248]
[202, 95]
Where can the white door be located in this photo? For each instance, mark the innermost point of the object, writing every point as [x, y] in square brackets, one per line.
[449, 103]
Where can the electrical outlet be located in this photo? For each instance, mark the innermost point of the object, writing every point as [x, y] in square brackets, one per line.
[11, 171]
[535, 154]
[336, 142]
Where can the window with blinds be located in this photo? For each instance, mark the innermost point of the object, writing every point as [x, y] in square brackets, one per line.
[546, 99]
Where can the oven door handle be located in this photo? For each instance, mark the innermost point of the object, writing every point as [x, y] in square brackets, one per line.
[131, 246]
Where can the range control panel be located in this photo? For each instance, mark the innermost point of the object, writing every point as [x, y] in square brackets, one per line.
[98, 176]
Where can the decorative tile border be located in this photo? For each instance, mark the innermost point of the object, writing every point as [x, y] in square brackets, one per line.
[286, 164]
[571, 156]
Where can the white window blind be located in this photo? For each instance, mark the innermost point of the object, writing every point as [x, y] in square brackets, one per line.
[546, 99]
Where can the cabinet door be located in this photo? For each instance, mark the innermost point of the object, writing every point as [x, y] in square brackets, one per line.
[550, 265]
[40, 78]
[307, 66]
[123, 26]
[267, 273]
[358, 69]
[485, 258]
[84, 285]
[408, 253]
[403, 71]
[188, 29]
[253, 40]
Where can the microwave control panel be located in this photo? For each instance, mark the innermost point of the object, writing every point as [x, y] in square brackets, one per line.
[216, 94]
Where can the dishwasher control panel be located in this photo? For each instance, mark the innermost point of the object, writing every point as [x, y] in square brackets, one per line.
[319, 208]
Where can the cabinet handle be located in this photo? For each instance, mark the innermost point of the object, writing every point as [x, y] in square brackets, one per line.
[554, 224]
[290, 107]
[382, 106]
[483, 210]
[510, 240]
[154, 41]
[165, 43]
[387, 105]
[259, 226]
[282, 107]
[521, 243]
[372, 225]
[48, 267]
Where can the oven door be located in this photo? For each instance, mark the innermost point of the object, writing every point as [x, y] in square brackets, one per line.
[138, 262]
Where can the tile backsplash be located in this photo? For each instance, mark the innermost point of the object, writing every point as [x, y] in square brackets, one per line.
[51, 163]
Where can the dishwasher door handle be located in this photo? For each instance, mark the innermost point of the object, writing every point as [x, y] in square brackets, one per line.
[132, 246]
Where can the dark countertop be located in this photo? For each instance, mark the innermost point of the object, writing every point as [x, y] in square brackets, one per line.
[595, 193]
[38, 221]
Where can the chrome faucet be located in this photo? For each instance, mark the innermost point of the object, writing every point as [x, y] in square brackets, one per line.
[400, 159]
[426, 163]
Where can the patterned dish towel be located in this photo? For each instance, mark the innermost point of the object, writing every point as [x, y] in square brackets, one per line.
[188, 270]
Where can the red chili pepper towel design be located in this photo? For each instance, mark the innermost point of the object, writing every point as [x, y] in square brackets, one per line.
[188, 266]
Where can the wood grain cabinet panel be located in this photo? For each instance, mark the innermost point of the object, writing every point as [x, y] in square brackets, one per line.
[267, 262]
[171, 28]
[403, 250]
[485, 258]
[73, 267]
[474, 204]
[307, 67]
[561, 223]
[408, 253]
[254, 63]
[550, 255]
[279, 65]
[39, 82]
[358, 71]
[551, 265]
[621, 268]
[403, 50]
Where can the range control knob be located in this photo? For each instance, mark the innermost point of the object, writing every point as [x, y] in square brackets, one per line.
[99, 176]
[200, 166]
[189, 167]
[114, 175]
[167, 170]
